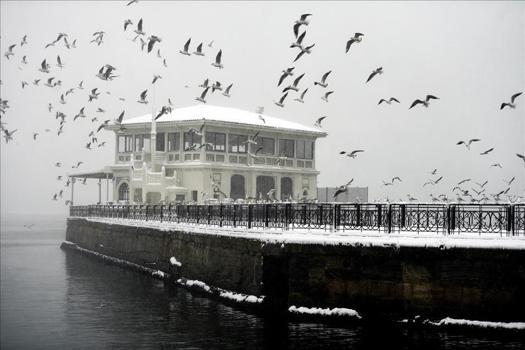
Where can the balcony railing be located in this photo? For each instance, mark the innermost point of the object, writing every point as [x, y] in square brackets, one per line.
[446, 219]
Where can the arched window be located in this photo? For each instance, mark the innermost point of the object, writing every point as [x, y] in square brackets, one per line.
[286, 188]
[263, 185]
[237, 189]
[123, 192]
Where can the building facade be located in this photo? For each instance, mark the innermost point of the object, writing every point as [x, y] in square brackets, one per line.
[204, 153]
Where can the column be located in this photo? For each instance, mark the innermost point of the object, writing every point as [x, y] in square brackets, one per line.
[72, 190]
[278, 187]
[99, 191]
[107, 187]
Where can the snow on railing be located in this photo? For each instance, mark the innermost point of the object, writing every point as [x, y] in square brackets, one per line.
[505, 219]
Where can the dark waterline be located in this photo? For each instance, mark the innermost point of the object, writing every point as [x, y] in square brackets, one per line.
[52, 298]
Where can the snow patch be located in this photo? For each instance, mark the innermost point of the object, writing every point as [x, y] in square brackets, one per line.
[175, 262]
[337, 311]
[241, 297]
[448, 321]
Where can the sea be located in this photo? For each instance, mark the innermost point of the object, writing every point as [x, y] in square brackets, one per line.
[58, 299]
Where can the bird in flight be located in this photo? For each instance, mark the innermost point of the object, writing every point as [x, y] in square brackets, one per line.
[389, 101]
[227, 91]
[199, 52]
[352, 154]
[294, 85]
[93, 95]
[132, 2]
[152, 40]
[286, 72]
[186, 48]
[155, 78]
[301, 98]
[217, 62]
[24, 40]
[304, 50]
[467, 143]
[202, 97]
[508, 182]
[318, 121]
[510, 104]
[342, 188]
[521, 156]
[303, 20]
[325, 97]
[143, 95]
[8, 135]
[59, 62]
[127, 23]
[44, 67]
[298, 41]
[425, 102]
[280, 103]
[9, 51]
[487, 151]
[323, 82]
[374, 73]
[355, 39]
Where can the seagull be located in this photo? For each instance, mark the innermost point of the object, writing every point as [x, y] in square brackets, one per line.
[24, 40]
[143, 97]
[287, 72]
[374, 73]
[323, 80]
[127, 23]
[318, 121]
[511, 104]
[76, 166]
[396, 178]
[467, 144]
[521, 156]
[80, 114]
[352, 154]
[216, 86]
[197, 132]
[155, 78]
[298, 41]
[463, 181]
[70, 91]
[227, 91]
[482, 185]
[210, 44]
[58, 164]
[152, 40]
[204, 85]
[8, 135]
[35, 134]
[389, 101]
[217, 62]
[281, 101]
[355, 39]
[93, 95]
[164, 110]
[508, 182]
[498, 165]
[24, 60]
[202, 96]
[303, 19]
[342, 188]
[80, 86]
[36, 81]
[325, 97]
[199, 51]
[132, 2]
[186, 47]
[59, 62]
[304, 50]
[424, 103]
[44, 67]
[55, 197]
[9, 51]
[62, 100]
[487, 151]
[24, 84]
[164, 63]
[294, 85]
[301, 99]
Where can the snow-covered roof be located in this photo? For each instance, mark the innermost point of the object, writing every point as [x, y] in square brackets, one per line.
[225, 114]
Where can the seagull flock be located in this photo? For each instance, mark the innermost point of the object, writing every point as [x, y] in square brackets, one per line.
[148, 42]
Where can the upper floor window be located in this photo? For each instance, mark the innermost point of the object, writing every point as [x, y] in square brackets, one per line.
[173, 142]
[215, 141]
[237, 143]
[267, 144]
[160, 142]
[142, 142]
[125, 143]
[191, 139]
[305, 149]
[287, 148]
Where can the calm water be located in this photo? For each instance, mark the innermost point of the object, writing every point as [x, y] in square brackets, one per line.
[52, 298]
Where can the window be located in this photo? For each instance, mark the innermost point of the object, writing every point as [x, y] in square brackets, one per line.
[287, 148]
[237, 143]
[194, 195]
[160, 142]
[125, 143]
[142, 142]
[267, 144]
[216, 177]
[123, 192]
[191, 139]
[305, 149]
[173, 142]
[216, 140]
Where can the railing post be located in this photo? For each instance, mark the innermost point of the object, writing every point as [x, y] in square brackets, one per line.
[235, 215]
[509, 219]
[250, 208]
[379, 216]
[221, 214]
[161, 211]
[266, 214]
[389, 218]
[321, 218]
[146, 215]
[287, 208]
[358, 215]
[403, 215]
[209, 213]
[336, 208]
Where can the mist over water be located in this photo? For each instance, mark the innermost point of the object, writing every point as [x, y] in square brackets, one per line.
[52, 299]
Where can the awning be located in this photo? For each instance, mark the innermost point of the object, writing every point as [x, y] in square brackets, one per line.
[101, 174]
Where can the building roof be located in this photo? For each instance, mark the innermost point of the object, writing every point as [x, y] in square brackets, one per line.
[101, 174]
[225, 114]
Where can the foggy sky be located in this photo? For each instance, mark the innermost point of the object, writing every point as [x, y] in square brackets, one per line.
[471, 55]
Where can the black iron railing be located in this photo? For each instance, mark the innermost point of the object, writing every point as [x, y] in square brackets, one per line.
[505, 219]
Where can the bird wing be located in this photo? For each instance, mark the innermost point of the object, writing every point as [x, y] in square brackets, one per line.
[120, 118]
[328, 94]
[371, 76]
[228, 88]
[415, 103]
[139, 26]
[281, 79]
[283, 98]
[218, 58]
[150, 45]
[325, 75]
[304, 16]
[356, 151]
[187, 45]
[514, 97]
[143, 94]
[503, 105]
[520, 156]
[199, 48]
[301, 37]
[304, 93]
[473, 140]
[297, 80]
[43, 64]
[394, 99]
[381, 101]
[59, 60]
[431, 97]
[296, 29]
[204, 93]
[348, 44]
[299, 55]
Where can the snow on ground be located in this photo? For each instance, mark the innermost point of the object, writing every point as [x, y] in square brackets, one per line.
[337, 311]
[478, 324]
[175, 262]
[347, 238]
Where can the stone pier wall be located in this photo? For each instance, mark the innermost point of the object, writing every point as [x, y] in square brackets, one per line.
[397, 282]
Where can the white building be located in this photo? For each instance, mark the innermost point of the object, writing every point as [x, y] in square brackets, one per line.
[165, 160]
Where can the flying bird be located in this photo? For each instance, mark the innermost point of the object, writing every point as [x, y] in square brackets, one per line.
[155, 78]
[132, 2]
[202, 97]
[325, 97]
[510, 104]
[521, 156]
[217, 62]
[9, 51]
[304, 50]
[342, 188]
[280, 103]
[139, 30]
[298, 41]
[44, 67]
[127, 23]
[286, 72]
[59, 62]
[294, 85]
[323, 82]
[186, 48]
[425, 102]
[199, 52]
[303, 20]
[8, 135]
[374, 73]
[152, 40]
[143, 95]
[467, 143]
[318, 121]
[24, 40]
[301, 98]
[389, 101]
[352, 154]
[487, 151]
[227, 90]
[355, 39]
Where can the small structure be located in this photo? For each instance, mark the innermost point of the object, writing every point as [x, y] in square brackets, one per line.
[206, 153]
